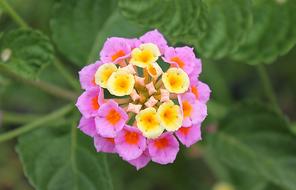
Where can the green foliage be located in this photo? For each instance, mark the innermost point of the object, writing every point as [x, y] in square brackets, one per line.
[56, 159]
[222, 28]
[256, 140]
[25, 52]
[79, 28]
[272, 34]
[175, 18]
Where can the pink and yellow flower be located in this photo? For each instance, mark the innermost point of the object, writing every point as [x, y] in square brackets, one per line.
[87, 75]
[130, 143]
[104, 144]
[135, 107]
[194, 112]
[183, 58]
[110, 119]
[89, 102]
[189, 135]
[164, 149]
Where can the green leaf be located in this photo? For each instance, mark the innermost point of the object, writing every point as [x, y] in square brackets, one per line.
[55, 159]
[81, 27]
[25, 52]
[227, 22]
[255, 139]
[177, 19]
[272, 34]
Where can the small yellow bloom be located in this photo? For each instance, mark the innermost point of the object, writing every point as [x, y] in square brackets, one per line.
[223, 186]
[103, 73]
[175, 80]
[154, 70]
[121, 83]
[145, 55]
[148, 122]
[170, 116]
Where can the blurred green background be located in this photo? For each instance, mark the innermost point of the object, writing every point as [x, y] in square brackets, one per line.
[230, 80]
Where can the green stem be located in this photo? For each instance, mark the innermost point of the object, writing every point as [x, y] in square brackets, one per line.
[43, 121]
[267, 86]
[17, 118]
[46, 87]
[66, 74]
[9, 10]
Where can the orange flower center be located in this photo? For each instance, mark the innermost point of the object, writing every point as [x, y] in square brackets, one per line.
[161, 143]
[178, 61]
[94, 103]
[94, 81]
[131, 137]
[118, 54]
[111, 140]
[184, 130]
[195, 91]
[113, 117]
[187, 108]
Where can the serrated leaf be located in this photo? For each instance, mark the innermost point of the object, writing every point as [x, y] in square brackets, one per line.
[54, 159]
[255, 139]
[80, 28]
[272, 34]
[177, 19]
[25, 52]
[227, 22]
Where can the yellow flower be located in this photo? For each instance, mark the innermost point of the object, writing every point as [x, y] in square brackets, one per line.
[154, 70]
[148, 122]
[103, 73]
[175, 80]
[145, 55]
[223, 186]
[121, 83]
[170, 116]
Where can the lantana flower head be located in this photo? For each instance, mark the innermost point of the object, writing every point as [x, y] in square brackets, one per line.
[142, 98]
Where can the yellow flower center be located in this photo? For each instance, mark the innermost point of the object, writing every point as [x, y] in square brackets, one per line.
[175, 80]
[148, 122]
[103, 74]
[121, 83]
[170, 116]
[145, 55]
[187, 108]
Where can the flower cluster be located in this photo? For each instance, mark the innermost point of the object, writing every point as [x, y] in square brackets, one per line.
[140, 97]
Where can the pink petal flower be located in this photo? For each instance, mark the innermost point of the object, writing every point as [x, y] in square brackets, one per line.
[130, 143]
[88, 102]
[189, 135]
[116, 49]
[151, 102]
[150, 87]
[141, 161]
[156, 38]
[183, 58]
[110, 119]
[104, 144]
[164, 149]
[196, 70]
[87, 75]
[194, 112]
[200, 90]
[134, 108]
[88, 126]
